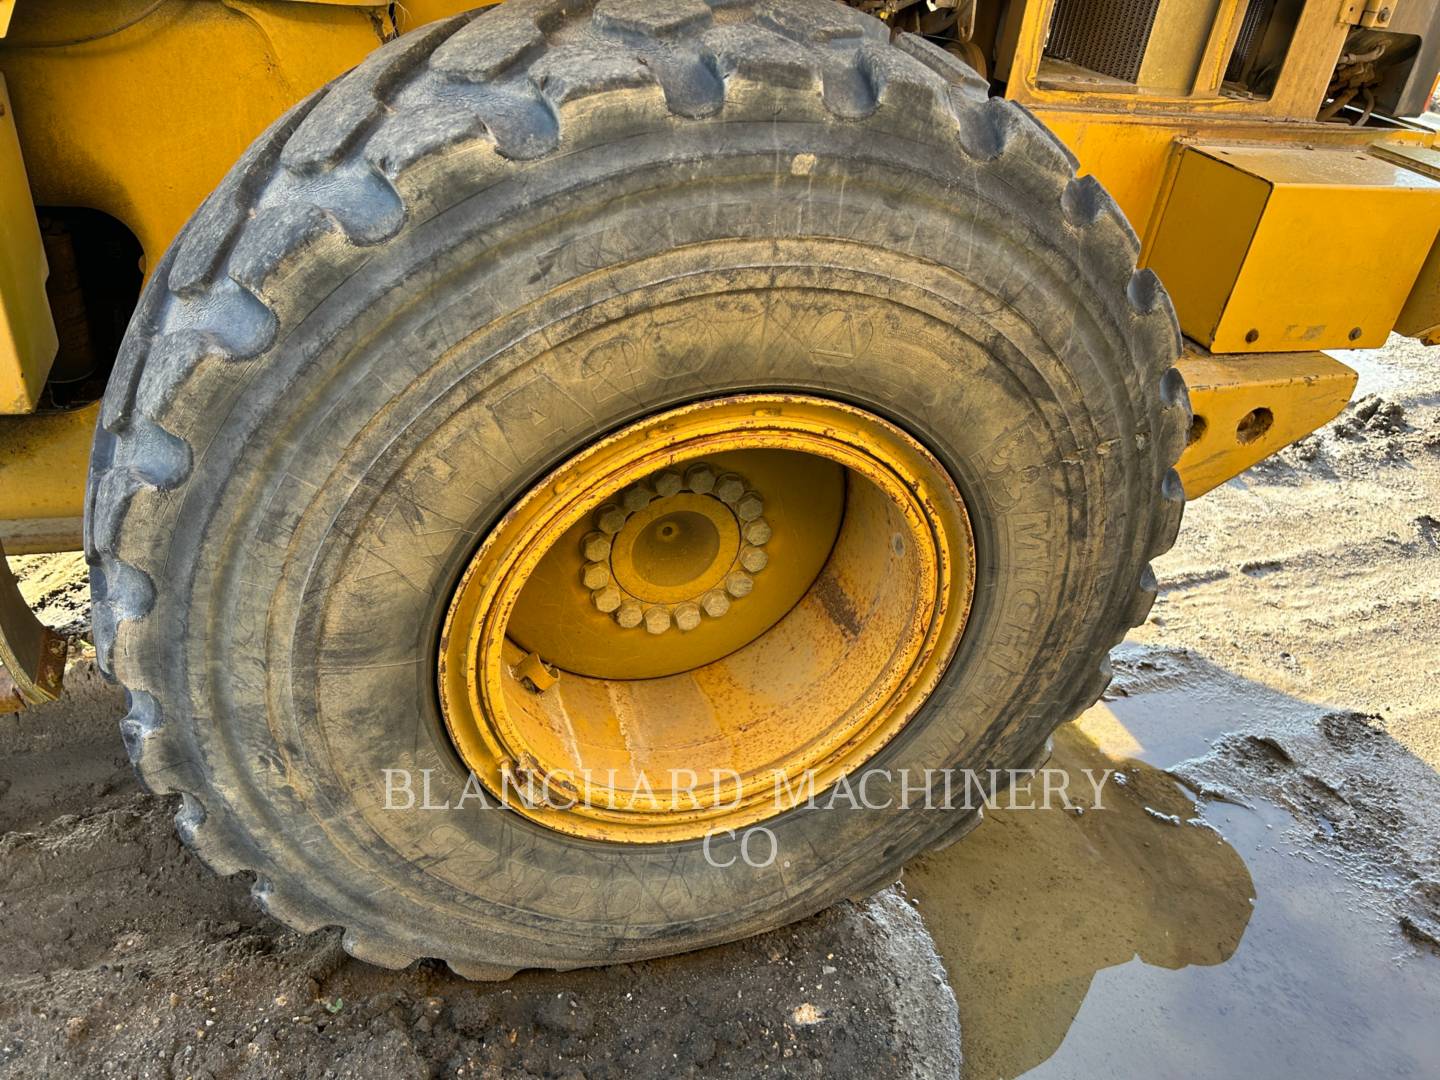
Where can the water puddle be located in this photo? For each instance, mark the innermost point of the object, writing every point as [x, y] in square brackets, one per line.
[1171, 936]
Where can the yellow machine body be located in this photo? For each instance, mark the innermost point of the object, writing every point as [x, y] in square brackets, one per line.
[27, 331]
[1420, 317]
[1247, 407]
[1268, 248]
[141, 124]
[144, 123]
[44, 458]
[1256, 214]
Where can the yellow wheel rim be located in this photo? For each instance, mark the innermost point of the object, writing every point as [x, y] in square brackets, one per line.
[698, 622]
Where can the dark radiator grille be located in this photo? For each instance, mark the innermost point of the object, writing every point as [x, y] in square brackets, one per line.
[1248, 38]
[1108, 36]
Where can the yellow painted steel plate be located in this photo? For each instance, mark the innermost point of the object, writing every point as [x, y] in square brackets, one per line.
[1270, 249]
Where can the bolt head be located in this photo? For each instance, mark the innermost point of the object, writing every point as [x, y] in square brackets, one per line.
[657, 620]
[700, 479]
[757, 531]
[749, 507]
[687, 616]
[715, 603]
[596, 575]
[629, 614]
[610, 518]
[607, 599]
[636, 498]
[595, 547]
[754, 560]
[729, 489]
[667, 483]
[738, 584]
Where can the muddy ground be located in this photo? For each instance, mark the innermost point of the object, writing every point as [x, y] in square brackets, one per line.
[121, 955]
[1259, 894]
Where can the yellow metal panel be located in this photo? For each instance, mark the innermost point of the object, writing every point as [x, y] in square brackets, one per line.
[1177, 43]
[1337, 237]
[1420, 317]
[143, 124]
[1128, 158]
[1209, 221]
[27, 332]
[7, 9]
[1249, 406]
[1336, 253]
[1134, 154]
[43, 462]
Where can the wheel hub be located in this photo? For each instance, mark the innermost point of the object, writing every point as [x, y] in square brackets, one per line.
[684, 566]
[675, 549]
[733, 599]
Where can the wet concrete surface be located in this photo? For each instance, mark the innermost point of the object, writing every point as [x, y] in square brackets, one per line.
[1248, 931]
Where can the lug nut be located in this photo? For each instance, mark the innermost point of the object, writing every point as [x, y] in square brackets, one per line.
[657, 620]
[596, 575]
[610, 518]
[607, 599]
[754, 560]
[729, 489]
[700, 479]
[738, 584]
[596, 547]
[687, 616]
[636, 498]
[667, 483]
[715, 603]
[629, 614]
[757, 531]
[749, 507]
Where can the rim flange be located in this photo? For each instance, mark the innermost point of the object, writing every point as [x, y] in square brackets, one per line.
[864, 443]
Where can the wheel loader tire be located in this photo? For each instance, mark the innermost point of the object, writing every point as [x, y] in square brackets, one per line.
[505, 235]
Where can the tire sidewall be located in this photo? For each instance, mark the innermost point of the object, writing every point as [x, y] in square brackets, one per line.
[348, 559]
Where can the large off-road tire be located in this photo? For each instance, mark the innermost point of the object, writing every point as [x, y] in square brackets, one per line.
[500, 237]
